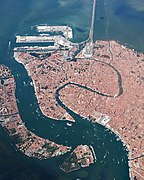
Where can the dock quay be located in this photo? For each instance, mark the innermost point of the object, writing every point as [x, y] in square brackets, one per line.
[93, 152]
[58, 40]
[66, 30]
[34, 39]
[33, 49]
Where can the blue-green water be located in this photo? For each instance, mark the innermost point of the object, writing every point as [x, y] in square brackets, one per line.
[119, 20]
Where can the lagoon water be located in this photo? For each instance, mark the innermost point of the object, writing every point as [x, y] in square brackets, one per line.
[118, 20]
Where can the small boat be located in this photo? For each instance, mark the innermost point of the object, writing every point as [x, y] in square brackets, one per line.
[107, 152]
[105, 156]
[9, 44]
[17, 100]
[69, 124]
[31, 83]
[45, 34]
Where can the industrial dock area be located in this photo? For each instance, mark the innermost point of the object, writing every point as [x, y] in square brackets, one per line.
[60, 42]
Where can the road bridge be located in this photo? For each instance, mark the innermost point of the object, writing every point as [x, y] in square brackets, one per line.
[88, 49]
[91, 33]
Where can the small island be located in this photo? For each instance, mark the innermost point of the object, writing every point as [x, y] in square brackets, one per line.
[82, 156]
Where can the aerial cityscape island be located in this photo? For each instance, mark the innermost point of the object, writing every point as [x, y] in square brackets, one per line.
[26, 141]
[101, 81]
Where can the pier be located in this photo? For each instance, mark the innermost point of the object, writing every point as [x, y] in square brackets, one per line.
[66, 30]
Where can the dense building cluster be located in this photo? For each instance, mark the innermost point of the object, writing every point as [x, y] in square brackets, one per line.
[110, 83]
[26, 141]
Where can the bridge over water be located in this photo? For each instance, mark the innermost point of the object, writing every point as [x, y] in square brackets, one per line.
[89, 43]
